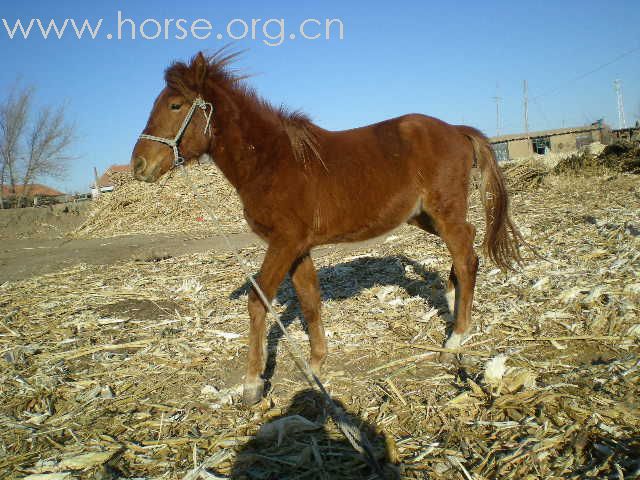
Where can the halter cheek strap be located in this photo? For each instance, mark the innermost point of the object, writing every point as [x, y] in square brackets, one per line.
[175, 142]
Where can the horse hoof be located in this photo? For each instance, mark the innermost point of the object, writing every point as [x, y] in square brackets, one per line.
[252, 393]
[316, 368]
[454, 342]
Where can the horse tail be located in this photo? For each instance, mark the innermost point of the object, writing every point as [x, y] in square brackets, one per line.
[502, 239]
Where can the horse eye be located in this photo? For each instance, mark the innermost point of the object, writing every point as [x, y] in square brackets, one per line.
[175, 106]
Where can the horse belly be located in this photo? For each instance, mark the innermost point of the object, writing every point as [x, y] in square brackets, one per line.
[371, 219]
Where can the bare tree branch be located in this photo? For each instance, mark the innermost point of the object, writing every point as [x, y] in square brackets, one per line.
[14, 115]
[34, 143]
[48, 143]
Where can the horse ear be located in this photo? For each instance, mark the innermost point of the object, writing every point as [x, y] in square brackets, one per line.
[200, 67]
[199, 60]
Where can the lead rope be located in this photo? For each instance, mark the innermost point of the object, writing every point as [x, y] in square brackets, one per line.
[356, 438]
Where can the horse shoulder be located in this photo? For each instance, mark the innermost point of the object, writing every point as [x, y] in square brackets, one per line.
[280, 204]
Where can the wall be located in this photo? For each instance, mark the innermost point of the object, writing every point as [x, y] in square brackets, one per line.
[562, 143]
[520, 148]
[628, 134]
[566, 142]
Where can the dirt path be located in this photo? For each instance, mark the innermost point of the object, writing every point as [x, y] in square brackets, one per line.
[20, 259]
[25, 258]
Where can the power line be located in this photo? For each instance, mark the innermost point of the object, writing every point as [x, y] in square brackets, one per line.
[542, 112]
[555, 90]
[558, 88]
[586, 74]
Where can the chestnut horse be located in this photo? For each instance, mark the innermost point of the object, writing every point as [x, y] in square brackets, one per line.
[302, 186]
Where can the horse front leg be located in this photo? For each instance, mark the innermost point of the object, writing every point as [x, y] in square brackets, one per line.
[277, 262]
[305, 281]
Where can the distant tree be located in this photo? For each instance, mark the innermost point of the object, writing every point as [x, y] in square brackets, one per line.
[14, 112]
[35, 142]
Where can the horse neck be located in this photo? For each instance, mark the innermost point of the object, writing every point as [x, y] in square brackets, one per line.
[248, 135]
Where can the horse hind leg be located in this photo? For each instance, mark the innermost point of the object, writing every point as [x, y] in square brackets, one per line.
[458, 236]
[426, 223]
[450, 294]
[462, 280]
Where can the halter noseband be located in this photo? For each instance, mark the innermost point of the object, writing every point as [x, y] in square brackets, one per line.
[174, 142]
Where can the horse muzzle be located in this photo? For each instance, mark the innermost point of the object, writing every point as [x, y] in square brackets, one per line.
[142, 171]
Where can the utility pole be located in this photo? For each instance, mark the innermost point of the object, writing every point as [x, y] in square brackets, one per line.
[526, 108]
[95, 175]
[622, 123]
[497, 100]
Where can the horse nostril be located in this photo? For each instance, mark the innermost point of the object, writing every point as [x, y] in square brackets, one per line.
[139, 164]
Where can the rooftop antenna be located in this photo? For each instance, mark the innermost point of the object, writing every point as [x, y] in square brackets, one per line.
[622, 123]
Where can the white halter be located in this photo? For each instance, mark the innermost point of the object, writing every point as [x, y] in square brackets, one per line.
[174, 142]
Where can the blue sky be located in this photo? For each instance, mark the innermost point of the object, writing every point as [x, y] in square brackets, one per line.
[445, 59]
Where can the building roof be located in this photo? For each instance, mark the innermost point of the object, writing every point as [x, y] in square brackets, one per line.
[105, 178]
[33, 190]
[628, 129]
[545, 133]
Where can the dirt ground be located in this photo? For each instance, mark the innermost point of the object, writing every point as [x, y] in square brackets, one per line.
[42, 223]
[24, 258]
[39, 241]
[35, 241]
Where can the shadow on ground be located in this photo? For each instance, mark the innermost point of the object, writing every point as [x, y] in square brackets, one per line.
[347, 280]
[300, 444]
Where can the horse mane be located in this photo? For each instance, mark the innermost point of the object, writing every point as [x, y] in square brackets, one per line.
[215, 71]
